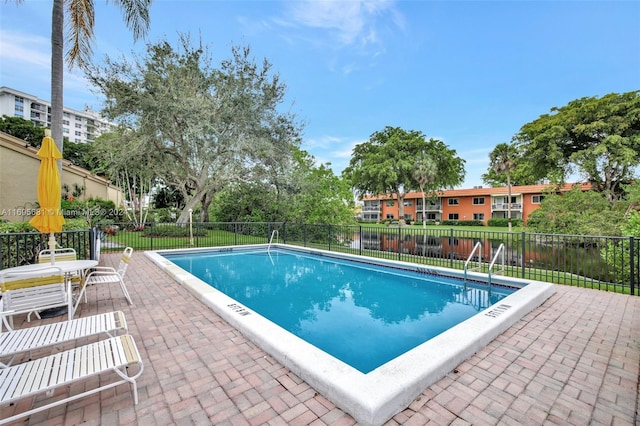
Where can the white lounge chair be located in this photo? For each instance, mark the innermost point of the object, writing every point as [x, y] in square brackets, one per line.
[116, 354]
[107, 275]
[34, 291]
[14, 342]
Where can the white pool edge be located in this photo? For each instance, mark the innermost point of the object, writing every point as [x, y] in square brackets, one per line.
[371, 398]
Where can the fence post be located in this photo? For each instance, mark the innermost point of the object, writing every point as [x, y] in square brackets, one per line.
[399, 241]
[284, 232]
[92, 243]
[451, 248]
[360, 245]
[329, 237]
[524, 246]
[632, 274]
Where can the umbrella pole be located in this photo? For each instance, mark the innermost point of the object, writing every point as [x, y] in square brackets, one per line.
[52, 247]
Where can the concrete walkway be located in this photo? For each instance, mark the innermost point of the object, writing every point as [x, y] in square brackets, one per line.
[573, 361]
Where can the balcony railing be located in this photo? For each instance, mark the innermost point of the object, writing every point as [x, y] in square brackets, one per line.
[505, 206]
[430, 208]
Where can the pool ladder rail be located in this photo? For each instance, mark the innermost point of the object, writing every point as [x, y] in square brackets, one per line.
[478, 248]
[273, 234]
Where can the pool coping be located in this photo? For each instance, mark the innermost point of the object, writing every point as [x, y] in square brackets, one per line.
[375, 397]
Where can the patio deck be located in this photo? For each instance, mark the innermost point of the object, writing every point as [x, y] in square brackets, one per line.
[574, 360]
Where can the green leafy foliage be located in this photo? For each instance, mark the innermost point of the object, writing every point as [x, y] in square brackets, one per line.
[303, 193]
[504, 222]
[599, 137]
[575, 212]
[22, 129]
[386, 164]
[463, 223]
[91, 211]
[196, 127]
[617, 254]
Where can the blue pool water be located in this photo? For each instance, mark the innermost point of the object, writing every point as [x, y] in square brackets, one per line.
[363, 314]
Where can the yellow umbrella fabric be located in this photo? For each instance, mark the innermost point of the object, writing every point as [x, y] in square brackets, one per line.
[48, 218]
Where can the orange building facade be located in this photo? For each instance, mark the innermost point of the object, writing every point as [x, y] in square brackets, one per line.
[462, 204]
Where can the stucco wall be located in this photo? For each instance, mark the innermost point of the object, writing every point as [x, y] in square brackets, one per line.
[18, 180]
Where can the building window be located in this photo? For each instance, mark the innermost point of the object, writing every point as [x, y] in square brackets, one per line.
[390, 216]
[478, 216]
[453, 201]
[78, 118]
[390, 203]
[78, 126]
[478, 201]
[453, 216]
[431, 216]
[408, 203]
[65, 114]
[537, 199]
[78, 133]
[65, 130]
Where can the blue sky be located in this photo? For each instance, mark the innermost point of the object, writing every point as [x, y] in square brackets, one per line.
[470, 73]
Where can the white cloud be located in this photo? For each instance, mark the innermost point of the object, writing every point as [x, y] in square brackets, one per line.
[27, 58]
[353, 22]
[26, 49]
[332, 149]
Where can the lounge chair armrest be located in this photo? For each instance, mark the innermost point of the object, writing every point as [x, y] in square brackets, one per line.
[5, 315]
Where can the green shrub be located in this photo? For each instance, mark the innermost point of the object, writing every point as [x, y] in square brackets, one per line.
[504, 222]
[462, 223]
[93, 210]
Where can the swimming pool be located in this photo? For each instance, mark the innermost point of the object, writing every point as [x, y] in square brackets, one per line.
[360, 313]
[375, 395]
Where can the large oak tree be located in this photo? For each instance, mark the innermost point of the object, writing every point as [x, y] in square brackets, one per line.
[202, 126]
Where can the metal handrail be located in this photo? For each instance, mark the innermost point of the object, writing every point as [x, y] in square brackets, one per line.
[499, 252]
[276, 234]
[477, 246]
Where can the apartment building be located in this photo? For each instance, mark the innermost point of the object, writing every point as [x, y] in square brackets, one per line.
[77, 126]
[477, 203]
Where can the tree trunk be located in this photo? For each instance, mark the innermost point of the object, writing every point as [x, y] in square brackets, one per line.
[509, 201]
[57, 75]
[190, 204]
[205, 202]
[424, 209]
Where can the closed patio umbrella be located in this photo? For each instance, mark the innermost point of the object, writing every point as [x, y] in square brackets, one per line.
[48, 218]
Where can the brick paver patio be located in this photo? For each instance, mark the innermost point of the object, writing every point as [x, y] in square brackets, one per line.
[575, 360]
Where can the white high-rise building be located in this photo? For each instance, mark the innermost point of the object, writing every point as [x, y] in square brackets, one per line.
[77, 126]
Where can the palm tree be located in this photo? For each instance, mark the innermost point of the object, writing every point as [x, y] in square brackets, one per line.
[503, 160]
[425, 170]
[79, 36]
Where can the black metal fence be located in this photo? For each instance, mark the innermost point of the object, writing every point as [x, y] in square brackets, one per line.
[606, 263]
[22, 248]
